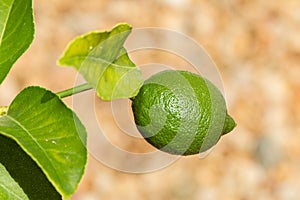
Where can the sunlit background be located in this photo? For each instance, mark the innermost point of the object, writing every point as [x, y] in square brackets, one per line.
[256, 46]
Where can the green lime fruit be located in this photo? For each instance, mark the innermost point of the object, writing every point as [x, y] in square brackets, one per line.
[181, 113]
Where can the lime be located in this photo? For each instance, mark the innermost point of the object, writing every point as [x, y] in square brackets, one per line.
[181, 113]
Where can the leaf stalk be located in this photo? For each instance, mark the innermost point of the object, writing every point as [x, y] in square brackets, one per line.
[74, 90]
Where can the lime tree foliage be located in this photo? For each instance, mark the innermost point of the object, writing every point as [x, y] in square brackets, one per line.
[43, 150]
[43, 144]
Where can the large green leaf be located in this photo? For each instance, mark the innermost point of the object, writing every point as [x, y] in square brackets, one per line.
[25, 172]
[9, 189]
[51, 134]
[103, 61]
[16, 32]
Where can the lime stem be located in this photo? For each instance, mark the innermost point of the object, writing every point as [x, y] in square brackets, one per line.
[74, 90]
[3, 110]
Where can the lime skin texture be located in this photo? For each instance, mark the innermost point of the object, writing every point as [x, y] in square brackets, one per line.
[181, 113]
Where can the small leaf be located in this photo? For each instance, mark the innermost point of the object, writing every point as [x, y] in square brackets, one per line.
[103, 61]
[9, 189]
[16, 32]
[25, 171]
[51, 134]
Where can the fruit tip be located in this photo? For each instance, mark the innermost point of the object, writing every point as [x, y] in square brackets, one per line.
[229, 124]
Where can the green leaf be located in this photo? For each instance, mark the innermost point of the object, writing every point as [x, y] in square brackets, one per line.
[16, 32]
[51, 134]
[9, 189]
[25, 172]
[103, 61]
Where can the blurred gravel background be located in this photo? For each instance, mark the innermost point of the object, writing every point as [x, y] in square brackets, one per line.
[256, 46]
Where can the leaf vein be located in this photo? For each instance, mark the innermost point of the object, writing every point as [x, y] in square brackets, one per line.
[5, 23]
[41, 148]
